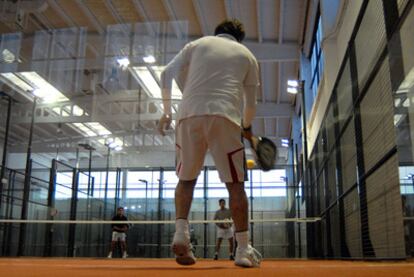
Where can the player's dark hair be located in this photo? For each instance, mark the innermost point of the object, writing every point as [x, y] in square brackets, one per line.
[222, 200]
[232, 27]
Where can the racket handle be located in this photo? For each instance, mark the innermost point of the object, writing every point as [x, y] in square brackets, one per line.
[253, 142]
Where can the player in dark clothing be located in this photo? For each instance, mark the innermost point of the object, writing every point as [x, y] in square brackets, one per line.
[119, 232]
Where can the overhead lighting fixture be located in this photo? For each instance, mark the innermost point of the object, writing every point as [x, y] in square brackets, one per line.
[87, 132]
[292, 90]
[112, 143]
[407, 83]
[14, 81]
[39, 93]
[92, 129]
[31, 82]
[149, 59]
[77, 111]
[293, 83]
[98, 128]
[293, 86]
[49, 92]
[397, 119]
[147, 80]
[8, 56]
[123, 62]
[285, 142]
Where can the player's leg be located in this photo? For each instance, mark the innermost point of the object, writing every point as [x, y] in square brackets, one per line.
[190, 152]
[246, 255]
[218, 244]
[231, 248]
[227, 150]
[123, 245]
[113, 245]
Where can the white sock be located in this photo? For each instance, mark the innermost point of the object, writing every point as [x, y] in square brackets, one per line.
[181, 225]
[242, 239]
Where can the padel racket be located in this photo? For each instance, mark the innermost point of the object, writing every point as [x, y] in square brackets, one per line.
[265, 151]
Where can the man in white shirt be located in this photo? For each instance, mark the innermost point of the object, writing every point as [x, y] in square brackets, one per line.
[218, 76]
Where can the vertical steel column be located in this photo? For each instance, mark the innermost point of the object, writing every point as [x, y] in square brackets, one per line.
[73, 210]
[298, 203]
[27, 180]
[8, 214]
[327, 196]
[51, 205]
[106, 183]
[6, 140]
[118, 186]
[90, 184]
[159, 212]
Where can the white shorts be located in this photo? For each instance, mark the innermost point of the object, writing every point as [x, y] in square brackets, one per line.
[224, 233]
[118, 236]
[222, 137]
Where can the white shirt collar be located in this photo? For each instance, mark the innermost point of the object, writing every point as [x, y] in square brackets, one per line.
[227, 36]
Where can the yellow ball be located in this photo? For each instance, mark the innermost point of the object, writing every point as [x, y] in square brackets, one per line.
[250, 164]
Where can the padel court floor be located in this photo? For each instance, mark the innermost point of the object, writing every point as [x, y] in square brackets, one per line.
[77, 267]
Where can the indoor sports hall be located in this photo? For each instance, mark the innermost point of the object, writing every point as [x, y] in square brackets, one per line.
[81, 100]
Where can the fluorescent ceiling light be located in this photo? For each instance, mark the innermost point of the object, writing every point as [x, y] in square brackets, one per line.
[293, 83]
[113, 143]
[14, 81]
[285, 141]
[51, 94]
[123, 62]
[397, 119]
[8, 56]
[34, 83]
[292, 90]
[91, 129]
[87, 132]
[406, 103]
[149, 83]
[40, 93]
[397, 102]
[408, 81]
[98, 128]
[149, 59]
[77, 111]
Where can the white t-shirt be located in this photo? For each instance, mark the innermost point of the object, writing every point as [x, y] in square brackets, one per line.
[215, 69]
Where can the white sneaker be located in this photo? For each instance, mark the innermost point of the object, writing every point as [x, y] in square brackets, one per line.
[124, 255]
[110, 255]
[247, 257]
[182, 249]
